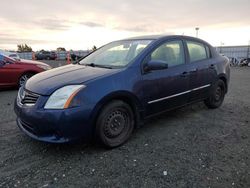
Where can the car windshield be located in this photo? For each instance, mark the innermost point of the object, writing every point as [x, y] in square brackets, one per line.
[116, 54]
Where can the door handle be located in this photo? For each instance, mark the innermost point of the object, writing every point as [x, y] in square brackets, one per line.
[212, 66]
[184, 74]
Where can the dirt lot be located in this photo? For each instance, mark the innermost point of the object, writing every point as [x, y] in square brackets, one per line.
[189, 147]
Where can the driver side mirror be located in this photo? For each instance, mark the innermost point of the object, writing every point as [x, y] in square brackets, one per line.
[155, 65]
[2, 63]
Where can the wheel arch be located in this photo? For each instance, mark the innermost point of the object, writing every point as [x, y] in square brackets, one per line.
[26, 72]
[224, 79]
[124, 96]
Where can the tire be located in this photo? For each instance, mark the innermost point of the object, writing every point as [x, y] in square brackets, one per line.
[217, 95]
[23, 79]
[115, 124]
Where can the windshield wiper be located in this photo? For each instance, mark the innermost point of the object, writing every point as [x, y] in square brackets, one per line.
[97, 65]
[90, 64]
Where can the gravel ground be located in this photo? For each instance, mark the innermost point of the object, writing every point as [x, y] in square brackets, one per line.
[189, 147]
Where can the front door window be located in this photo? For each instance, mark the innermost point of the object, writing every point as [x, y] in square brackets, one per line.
[170, 52]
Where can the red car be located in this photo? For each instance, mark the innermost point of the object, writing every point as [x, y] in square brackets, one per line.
[15, 73]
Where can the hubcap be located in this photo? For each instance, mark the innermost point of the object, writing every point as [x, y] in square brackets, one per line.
[23, 79]
[115, 124]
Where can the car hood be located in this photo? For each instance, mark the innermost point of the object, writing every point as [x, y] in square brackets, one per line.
[31, 62]
[47, 82]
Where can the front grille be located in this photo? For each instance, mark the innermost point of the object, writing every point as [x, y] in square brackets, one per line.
[27, 97]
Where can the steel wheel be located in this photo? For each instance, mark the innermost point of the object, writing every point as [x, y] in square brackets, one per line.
[217, 95]
[115, 124]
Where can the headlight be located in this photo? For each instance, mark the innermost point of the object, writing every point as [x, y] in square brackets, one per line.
[45, 67]
[62, 97]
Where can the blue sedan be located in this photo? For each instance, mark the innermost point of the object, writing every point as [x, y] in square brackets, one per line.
[112, 90]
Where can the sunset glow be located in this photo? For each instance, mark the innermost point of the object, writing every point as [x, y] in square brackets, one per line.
[82, 24]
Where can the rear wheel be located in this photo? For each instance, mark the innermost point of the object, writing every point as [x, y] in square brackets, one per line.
[23, 79]
[217, 95]
[115, 124]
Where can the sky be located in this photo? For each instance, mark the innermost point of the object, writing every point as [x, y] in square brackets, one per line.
[80, 24]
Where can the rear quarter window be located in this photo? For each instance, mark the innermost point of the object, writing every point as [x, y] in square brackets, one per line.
[197, 51]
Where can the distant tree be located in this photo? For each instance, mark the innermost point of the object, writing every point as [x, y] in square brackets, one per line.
[61, 49]
[94, 48]
[23, 48]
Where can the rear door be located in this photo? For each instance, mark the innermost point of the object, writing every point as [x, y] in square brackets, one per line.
[201, 69]
[165, 89]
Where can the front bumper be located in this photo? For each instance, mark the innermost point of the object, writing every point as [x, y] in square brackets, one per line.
[54, 126]
[52, 137]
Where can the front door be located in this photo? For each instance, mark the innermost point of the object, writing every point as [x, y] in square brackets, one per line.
[7, 71]
[168, 88]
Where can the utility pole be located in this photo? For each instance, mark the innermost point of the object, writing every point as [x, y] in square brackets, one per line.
[197, 31]
[248, 49]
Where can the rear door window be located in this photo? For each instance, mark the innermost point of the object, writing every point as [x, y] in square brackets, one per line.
[197, 51]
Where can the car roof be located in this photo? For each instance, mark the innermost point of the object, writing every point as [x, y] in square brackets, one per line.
[152, 37]
[159, 37]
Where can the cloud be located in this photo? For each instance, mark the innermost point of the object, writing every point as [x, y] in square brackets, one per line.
[9, 41]
[16, 40]
[59, 18]
[162, 14]
[91, 24]
[53, 24]
[138, 28]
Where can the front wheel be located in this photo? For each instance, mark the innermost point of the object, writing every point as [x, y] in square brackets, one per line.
[23, 79]
[115, 124]
[217, 95]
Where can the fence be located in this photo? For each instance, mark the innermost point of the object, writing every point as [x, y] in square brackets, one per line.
[61, 55]
[232, 52]
[25, 55]
[237, 52]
